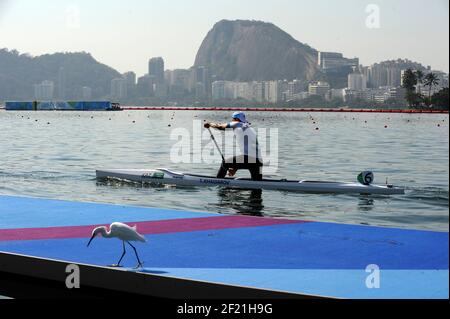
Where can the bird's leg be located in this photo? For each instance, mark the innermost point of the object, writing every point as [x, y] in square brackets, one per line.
[121, 257]
[140, 264]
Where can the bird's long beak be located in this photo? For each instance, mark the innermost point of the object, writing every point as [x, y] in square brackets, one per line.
[93, 236]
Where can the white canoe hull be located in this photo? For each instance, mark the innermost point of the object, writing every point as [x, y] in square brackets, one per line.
[167, 177]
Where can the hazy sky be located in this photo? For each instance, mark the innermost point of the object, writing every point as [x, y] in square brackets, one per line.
[125, 34]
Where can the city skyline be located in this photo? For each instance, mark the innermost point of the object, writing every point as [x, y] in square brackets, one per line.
[379, 82]
[175, 31]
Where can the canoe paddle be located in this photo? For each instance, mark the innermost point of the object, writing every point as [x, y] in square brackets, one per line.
[215, 142]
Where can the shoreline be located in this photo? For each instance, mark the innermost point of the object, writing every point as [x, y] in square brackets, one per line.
[273, 109]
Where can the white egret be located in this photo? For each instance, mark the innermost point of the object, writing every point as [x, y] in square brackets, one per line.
[122, 232]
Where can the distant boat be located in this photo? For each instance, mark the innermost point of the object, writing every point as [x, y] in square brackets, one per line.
[63, 106]
[115, 107]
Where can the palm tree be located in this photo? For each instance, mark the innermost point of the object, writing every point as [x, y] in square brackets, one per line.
[409, 83]
[431, 79]
[419, 76]
[409, 80]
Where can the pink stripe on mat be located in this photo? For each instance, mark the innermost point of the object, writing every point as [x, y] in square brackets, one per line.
[146, 227]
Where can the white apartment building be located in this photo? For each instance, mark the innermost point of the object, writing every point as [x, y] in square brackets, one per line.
[357, 82]
[119, 88]
[243, 91]
[319, 88]
[272, 91]
[257, 91]
[223, 90]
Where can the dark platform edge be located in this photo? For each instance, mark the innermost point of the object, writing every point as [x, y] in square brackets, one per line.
[20, 274]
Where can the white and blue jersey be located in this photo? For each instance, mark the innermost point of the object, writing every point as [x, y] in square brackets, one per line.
[246, 138]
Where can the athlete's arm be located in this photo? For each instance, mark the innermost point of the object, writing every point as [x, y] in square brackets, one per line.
[218, 126]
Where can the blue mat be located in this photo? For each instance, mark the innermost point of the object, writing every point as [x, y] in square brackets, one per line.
[302, 257]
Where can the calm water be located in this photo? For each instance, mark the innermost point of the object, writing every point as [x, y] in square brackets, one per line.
[55, 154]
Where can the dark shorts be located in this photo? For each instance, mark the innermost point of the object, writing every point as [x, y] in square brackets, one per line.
[242, 162]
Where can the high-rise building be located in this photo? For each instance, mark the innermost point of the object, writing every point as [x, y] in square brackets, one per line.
[258, 91]
[119, 88]
[168, 77]
[161, 90]
[243, 90]
[44, 90]
[200, 91]
[394, 77]
[357, 81]
[177, 81]
[272, 91]
[291, 88]
[333, 60]
[224, 90]
[377, 75]
[130, 78]
[218, 90]
[146, 86]
[200, 81]
[180, 79]
[389, 73]
[156, 68]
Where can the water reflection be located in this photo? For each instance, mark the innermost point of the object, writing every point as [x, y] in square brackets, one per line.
[246, 202]
[365, 204]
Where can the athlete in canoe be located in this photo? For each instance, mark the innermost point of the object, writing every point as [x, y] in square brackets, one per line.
[250, 157]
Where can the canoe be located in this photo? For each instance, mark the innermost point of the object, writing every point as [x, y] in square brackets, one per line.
[167, 177]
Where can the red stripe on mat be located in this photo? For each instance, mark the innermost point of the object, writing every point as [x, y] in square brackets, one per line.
[146, 227]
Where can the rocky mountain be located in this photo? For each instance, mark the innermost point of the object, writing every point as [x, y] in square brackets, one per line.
[253, 50]
[19, 73]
